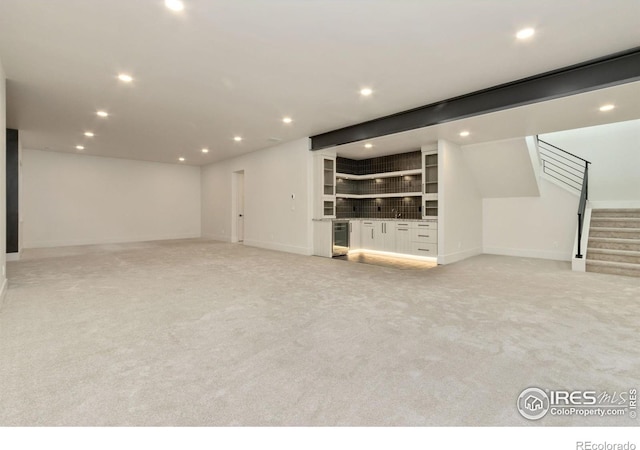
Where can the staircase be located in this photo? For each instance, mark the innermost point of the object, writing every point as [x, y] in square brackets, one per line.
[614, 242]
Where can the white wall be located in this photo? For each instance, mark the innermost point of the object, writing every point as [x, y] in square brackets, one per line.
[614, 151]
[72, 199]
[535, 227]
[502, 168]
[3, 185]
[272, 219]
[459, 206]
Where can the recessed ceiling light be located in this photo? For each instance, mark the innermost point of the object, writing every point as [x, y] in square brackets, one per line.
[181, 159]
[287, 119]
[174, 5]
[79, 147]
[368, 145]
[608, 107]
[366, 92]
[102, 113]
[525, 33]
[125, 77]
[464, 133]
[205, 150]
[237, 138]
[89, 134]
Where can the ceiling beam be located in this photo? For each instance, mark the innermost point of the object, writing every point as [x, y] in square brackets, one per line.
[611, 70]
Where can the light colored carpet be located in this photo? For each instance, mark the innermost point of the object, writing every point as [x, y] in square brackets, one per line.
[207, 333]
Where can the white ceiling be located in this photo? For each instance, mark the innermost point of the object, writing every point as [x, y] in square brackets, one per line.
[229, 67]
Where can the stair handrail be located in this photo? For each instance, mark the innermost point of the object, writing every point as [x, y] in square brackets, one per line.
[584, 191]
[564, 151]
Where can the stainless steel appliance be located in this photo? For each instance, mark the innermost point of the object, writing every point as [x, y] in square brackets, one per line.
[340, 237]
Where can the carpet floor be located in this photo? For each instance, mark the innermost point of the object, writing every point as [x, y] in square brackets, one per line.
[205, 333]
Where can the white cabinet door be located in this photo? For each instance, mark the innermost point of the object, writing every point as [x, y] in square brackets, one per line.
[367, 235]
[388, 236]
[324, 179]
[384, 236]
[355, 233]
[378, 235]
[403, 238]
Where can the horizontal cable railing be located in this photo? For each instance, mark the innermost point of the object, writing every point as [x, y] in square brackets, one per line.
[572, 171]
[561, 165]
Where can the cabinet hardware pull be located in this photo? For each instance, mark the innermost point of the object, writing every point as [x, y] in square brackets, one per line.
[423, 235]
[423, 249]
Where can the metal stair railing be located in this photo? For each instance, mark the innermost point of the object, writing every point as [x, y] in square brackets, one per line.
[572, 171]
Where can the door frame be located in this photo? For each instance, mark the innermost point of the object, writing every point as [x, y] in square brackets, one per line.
[237, 190]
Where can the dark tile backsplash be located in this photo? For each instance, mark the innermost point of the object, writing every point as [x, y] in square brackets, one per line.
[391, 163]
[407, 183]
[379, 208]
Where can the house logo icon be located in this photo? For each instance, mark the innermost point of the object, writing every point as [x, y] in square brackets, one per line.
[533, 403]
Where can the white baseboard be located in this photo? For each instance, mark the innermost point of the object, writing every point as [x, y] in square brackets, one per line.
[14, 256]
[451, 258]
[73, 242]
[621, 204]
[3, 292]
[528, 253]
[279, 247]
[216, 237]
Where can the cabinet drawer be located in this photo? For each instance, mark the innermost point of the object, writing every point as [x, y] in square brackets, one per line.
[421, 249]
[426, 225]
[422, 235]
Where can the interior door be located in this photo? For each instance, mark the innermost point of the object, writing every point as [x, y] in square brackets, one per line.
[240, 206]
